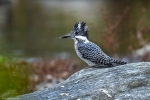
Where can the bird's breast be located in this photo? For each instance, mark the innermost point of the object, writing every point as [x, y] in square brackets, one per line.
[80, 55]
[77, 51]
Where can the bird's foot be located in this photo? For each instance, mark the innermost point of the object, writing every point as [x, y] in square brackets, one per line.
[103, 66]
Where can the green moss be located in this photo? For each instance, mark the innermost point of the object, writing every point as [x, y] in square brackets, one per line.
[13, 78]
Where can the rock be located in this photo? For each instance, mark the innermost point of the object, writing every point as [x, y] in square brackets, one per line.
[126, 82]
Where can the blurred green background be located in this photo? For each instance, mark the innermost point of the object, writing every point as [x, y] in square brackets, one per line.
[32, 57]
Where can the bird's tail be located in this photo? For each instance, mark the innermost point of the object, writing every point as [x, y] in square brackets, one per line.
[119, 62]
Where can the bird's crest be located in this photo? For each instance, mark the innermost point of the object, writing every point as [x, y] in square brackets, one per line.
[81, 28]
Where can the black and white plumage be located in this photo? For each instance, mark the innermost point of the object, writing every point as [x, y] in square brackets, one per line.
[88, 51]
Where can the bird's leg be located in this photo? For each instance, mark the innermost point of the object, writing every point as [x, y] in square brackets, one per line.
[103, 66]
[98, 66]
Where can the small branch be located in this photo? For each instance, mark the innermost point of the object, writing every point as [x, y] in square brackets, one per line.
[105, 16]
[116, 24]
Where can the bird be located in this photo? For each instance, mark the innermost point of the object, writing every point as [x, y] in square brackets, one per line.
[88, 51]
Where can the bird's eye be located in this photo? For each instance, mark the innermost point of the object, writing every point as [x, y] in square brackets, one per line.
[76, 33]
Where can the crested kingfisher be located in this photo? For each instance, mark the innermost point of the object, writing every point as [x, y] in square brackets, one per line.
[89, 51]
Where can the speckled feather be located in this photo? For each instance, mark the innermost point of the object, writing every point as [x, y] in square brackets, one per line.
[88, 51]
[93, 54]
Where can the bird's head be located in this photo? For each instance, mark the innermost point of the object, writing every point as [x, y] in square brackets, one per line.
[79, 29]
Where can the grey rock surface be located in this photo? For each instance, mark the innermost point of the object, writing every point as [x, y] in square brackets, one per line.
[126, 82]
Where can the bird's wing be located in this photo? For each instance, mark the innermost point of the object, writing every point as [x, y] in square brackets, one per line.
[93, 53]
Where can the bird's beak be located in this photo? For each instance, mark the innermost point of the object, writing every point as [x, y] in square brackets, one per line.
[65, 36]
